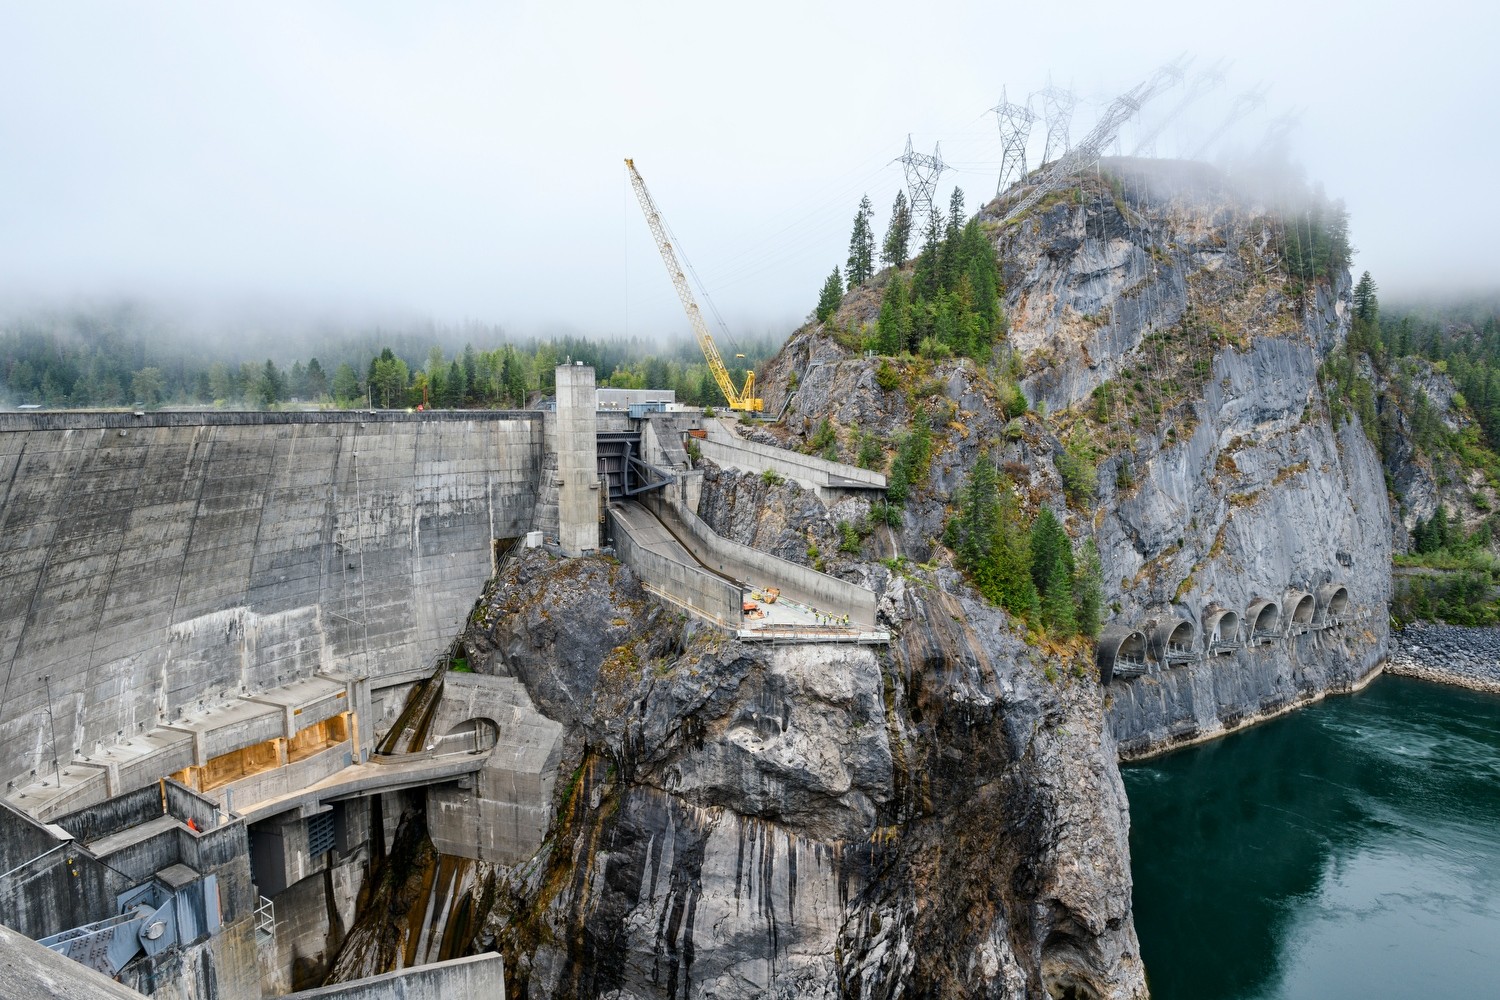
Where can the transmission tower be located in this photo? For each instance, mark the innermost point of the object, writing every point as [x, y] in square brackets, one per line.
[1242, 106]
[1057, 108]
[1015, 131]
[922, 172]
[1087, 152]
[1203, 82]
[1273, 143]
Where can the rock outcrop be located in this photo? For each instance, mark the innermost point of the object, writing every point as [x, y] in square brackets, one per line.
[941, 818]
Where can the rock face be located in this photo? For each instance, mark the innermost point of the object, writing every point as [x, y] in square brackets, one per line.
[1148, 321]
[941, 818]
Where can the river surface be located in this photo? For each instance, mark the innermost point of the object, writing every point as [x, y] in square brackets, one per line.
[1348, 849]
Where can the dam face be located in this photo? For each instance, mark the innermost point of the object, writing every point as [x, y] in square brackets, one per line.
[152, 562]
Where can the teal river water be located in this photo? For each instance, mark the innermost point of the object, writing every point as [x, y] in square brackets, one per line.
[1348, 849]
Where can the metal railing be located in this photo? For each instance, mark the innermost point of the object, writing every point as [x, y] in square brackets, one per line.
[265, 917]
[1178, 653]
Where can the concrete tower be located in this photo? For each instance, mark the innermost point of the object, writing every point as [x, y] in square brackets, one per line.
[577, 460]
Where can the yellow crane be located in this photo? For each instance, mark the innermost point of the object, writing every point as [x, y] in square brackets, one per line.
[739, 399]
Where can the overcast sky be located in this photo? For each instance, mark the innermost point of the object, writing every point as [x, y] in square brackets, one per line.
[464, 161]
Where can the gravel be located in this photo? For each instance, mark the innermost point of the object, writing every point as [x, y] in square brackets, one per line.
[1468, 657]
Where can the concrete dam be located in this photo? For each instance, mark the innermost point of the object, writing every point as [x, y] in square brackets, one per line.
[225, 639]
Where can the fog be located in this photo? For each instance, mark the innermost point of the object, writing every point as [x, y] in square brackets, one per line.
[463, 162]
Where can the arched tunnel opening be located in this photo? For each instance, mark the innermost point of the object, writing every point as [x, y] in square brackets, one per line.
[1221, 629]
[1299, 610]
[1265, 619]
[469, 736]
[1173, 642]
[1333, 604]
[1121, 652]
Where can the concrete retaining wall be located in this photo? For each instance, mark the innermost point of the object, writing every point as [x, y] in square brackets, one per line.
[760, 569]
[725, 448]
[689, 585]
[476, 976]
[149, 564]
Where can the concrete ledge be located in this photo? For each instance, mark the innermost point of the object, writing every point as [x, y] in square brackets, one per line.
[475, 976]
[29, 971]
[724, 447]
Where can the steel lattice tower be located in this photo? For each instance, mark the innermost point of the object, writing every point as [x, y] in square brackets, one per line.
[922, 172]
[1057, 109]
[1242, 106]
[1087, 152]
[1203, 82]
[1273, 143]
[1015, 131]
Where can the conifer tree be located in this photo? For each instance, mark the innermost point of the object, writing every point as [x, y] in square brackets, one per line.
[1058, 613]
[925, 279]
[271, 388]
[828, 300]
[893, 326]
[471, 373]
[861, 263]
[978, 260]
[316, 380]
[949, 257]
[1366, 306]
[1011, 559]
[1049, 542]
[454, 386]
[979, 505]
[1088, 589]
[898, 233]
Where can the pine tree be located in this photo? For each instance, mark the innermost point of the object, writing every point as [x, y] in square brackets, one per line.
[1438, 529]
[951, 252]
[925, 279]
[893, 326]
[454, 386]
[861, 262]
[1049, 542]
[316, 381]
[471, 374]
[832, 294]
[271, 389]
[1366, 305]
[898, 233]
[1088, 590]
[1010, 574]
[978, 260]
[1058, 613]
[979, 504]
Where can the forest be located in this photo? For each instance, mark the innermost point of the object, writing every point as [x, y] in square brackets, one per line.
[1386, 376]
[134, 357]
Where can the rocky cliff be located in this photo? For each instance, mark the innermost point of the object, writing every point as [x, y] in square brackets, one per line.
[1159, 343]
[942, 818]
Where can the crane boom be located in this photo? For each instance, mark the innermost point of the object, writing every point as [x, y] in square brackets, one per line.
[739, 399]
